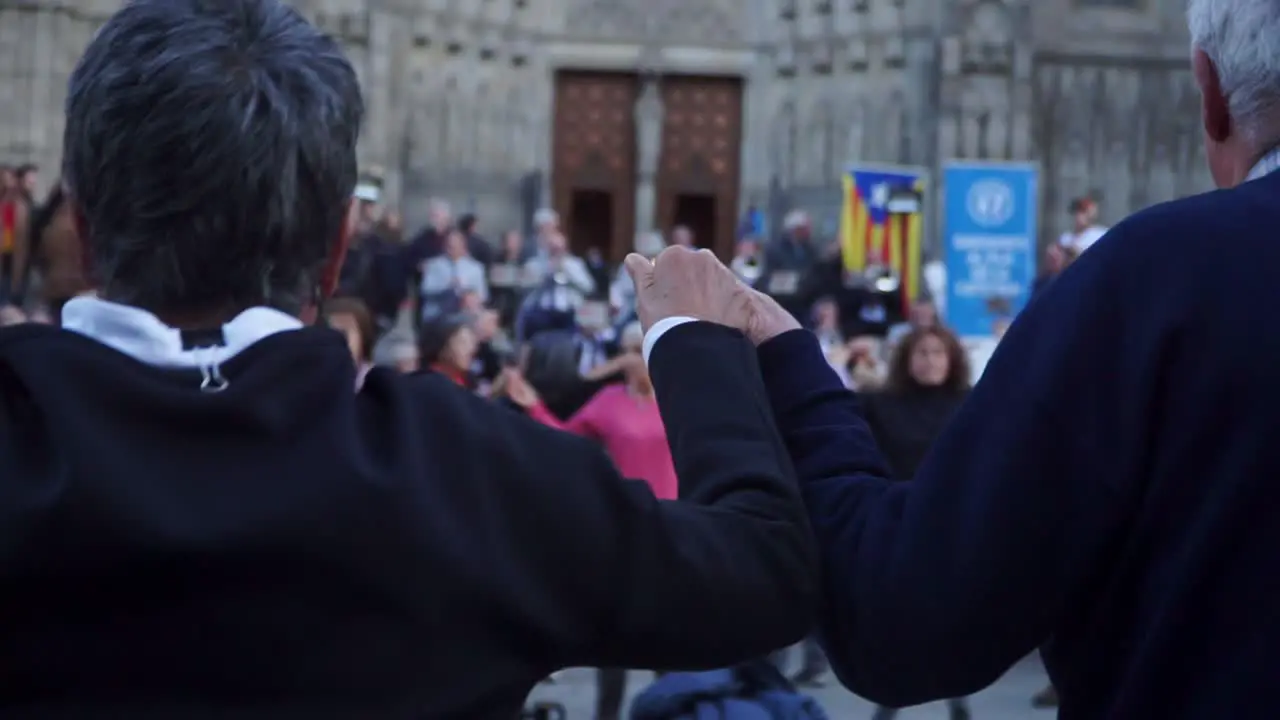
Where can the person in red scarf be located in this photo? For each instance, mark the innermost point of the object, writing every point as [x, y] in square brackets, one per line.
[448, 346]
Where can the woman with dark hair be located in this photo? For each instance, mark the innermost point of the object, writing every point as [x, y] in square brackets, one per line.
[57, 253]
[929, 377]
[350, 317]
[448, 346]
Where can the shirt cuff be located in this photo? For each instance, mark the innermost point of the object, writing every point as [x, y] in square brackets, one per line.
[658, 330]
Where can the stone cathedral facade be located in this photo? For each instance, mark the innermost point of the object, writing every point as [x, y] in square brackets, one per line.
[634, 114]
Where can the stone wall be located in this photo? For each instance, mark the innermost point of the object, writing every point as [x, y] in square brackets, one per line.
[460, 91]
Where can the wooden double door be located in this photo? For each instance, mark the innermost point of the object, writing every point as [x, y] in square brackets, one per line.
[594, 173]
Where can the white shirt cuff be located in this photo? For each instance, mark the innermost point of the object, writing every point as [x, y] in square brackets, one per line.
[658, 330]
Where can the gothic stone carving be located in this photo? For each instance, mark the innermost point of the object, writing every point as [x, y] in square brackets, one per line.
[704, 21]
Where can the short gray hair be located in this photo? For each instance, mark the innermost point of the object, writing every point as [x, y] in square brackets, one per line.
[394, 347]
[1242, 37]
[441, 206]
[212, 149]
[544, 216]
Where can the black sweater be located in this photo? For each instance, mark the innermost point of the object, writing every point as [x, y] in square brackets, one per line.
[291, 548]
[905, 424]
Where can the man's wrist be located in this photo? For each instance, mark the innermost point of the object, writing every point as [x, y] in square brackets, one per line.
[660, 328]
[768, 324]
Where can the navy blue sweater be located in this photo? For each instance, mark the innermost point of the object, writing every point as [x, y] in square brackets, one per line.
[1109, 492]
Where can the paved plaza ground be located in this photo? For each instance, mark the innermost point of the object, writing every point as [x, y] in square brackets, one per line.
[1008, 699]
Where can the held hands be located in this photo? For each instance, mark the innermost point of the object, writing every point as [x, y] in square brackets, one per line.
[685, 283]
[512, 385]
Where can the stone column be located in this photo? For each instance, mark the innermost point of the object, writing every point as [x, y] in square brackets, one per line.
[649, 116]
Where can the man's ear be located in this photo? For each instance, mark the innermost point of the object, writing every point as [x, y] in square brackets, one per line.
[337, 254]
[1214, 108]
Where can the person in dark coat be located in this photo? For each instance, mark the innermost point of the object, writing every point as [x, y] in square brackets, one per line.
[928, 381]
[1107, 491]
[202, 516]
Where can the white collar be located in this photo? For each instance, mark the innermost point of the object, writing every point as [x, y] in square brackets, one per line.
[1266, 165]
[144, 337]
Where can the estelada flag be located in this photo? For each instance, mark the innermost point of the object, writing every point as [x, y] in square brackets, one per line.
[873, 231]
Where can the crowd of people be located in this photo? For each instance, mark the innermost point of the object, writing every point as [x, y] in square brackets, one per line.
[201, 518]
[527, 323]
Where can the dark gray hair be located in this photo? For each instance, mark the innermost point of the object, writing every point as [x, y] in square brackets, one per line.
[211, 146]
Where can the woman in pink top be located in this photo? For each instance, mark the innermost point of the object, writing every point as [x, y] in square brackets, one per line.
[623, 418]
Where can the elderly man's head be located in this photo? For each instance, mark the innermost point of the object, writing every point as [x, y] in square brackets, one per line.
[796, 224]
[210, 151]
[440, 215]
[546, 221]
[1236, 60]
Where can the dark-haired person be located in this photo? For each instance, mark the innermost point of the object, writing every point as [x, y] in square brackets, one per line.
[201, 519]
[352, 318]
[1085, 230]
[27, 177]
[59, 255]
[15, 239]
[1057, 258]
[376, 270]
[448, 345]
[477, 246]
[929, 379]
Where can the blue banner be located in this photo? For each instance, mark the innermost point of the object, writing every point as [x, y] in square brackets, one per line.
[989, 241]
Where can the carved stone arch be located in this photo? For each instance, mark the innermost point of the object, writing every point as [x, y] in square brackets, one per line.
[519, 118]
[818, 148]
[705, 21]
[897, 138]
[488, 128]
[988, 37]
[782, 142]
[1079, 109]
[1097, 102]
[459, 125]
[854, 145]
[1191, 141]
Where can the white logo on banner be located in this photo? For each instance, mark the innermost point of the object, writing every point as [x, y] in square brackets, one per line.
[990, 203]
[879, 196]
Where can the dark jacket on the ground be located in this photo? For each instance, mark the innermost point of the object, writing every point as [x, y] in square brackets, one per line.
[290, 548]
[1108, 491]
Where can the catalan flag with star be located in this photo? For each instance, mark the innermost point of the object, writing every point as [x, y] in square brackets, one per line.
[875, 231]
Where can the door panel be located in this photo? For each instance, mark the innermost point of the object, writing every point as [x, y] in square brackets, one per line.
[594, 152]
[701, 146]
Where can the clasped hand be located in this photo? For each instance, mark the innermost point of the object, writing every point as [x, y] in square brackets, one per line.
[693, 283]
